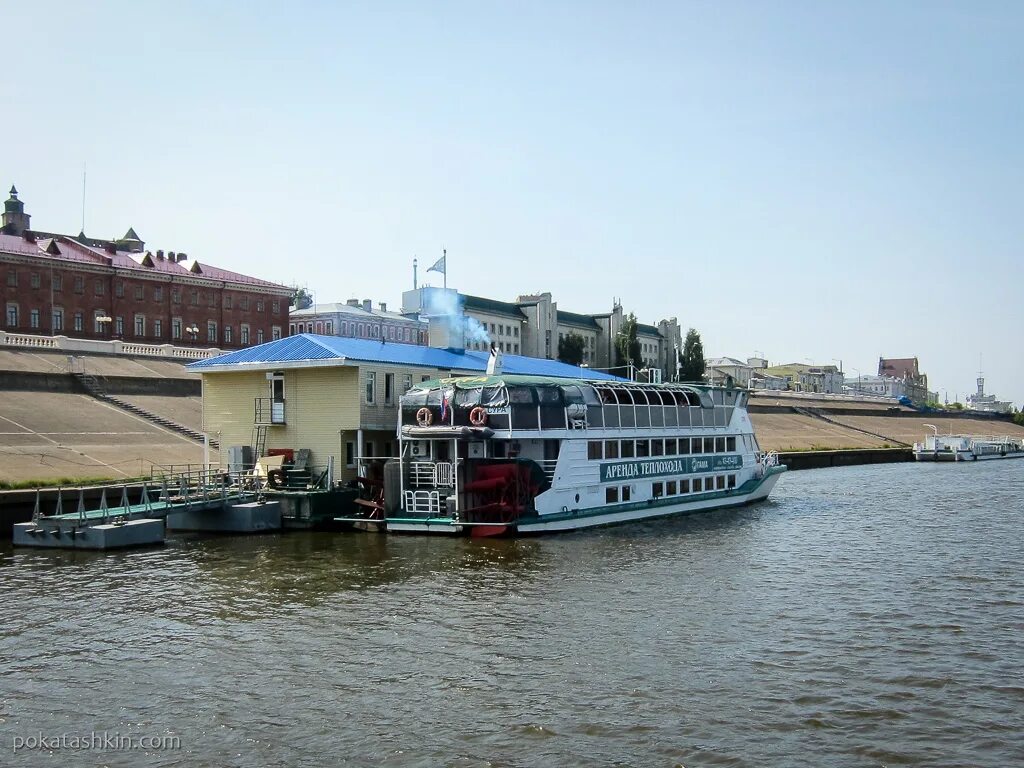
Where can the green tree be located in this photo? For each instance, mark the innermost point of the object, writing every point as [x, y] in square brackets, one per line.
[627, 346]
[570, 348]
[1018, 418]
[692, 361]
[301, 297]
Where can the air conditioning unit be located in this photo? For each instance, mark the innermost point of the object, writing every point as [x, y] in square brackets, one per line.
[476, 450]
[419, 449]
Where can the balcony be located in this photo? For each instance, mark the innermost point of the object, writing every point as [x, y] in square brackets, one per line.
[268, 411]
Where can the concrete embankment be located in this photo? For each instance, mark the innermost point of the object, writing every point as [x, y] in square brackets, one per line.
[844, 458]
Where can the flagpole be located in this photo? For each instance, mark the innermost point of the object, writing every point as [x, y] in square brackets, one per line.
[444, 260]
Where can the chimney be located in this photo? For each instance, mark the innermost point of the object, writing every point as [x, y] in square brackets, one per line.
[352, 302]
[444, 332]
[383, 307]
[494, 362]
[160, 255]
[367, 305]
[170, 255]
[182, 256]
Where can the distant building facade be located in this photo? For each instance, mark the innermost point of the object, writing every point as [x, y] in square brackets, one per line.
[725, 371]
[88, 288]
[988, 403]
[358, 320]
[826, 379]
[533, 325]
[908, 371]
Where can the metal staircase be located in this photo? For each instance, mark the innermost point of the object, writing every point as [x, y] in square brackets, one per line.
[94, 387]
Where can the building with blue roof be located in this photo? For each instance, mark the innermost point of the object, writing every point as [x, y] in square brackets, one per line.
[335, 396]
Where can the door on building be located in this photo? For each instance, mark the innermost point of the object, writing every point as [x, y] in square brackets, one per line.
[277, 398]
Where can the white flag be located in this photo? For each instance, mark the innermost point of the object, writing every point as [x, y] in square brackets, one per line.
[439, 265]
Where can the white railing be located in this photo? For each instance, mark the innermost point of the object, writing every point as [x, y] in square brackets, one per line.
[109, 347]
[423, 503]
[548, 465]
[421, 472]
[444, 474]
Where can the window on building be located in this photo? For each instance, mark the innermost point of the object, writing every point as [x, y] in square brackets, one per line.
[58, 319]
[275, 332]
[350, 455]
[176, 296]
[12, 315]
[391, 332]
[319, 326]
[97, 325]
[408, 335]
[243, 335]
[140, 326]
[515, 331]
[119, 288]
[244, 303]
[406, 383]
[158, 293]
[140, 293]
[79, 284]
[492, 328]
[329, 327]
[98, 288]
[119, 326]
[12, 278]
[368, 449]
[193, 298]
[211, 300]
[229, 301]
[371, 386]
[158, 329]
[211, 331]
[259, 305]
[57, 282]
[259, 335]
[389, 388]
[362, 330]
[175, 328]
[34, 279]
[79, 322]
[275, 307]
[424, 378]
[228, 335]
[291, 328]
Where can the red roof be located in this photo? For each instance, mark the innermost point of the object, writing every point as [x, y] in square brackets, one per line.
[74, 251]
[900, 367]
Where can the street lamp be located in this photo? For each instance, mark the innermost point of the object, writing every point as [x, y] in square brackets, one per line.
[193, 331]
[104, 322]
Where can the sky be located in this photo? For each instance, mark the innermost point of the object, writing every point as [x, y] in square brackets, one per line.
[816, 182]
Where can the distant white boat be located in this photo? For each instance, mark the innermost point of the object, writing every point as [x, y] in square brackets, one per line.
[967, 448]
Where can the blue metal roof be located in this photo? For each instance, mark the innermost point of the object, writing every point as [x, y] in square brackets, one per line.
[308, 346]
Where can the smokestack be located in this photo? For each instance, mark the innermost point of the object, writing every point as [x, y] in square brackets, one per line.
[353, 302]
[367, 305]
[160, 254]
[383, 307]
[494, 362]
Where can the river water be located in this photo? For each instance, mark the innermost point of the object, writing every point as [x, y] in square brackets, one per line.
[867, 616]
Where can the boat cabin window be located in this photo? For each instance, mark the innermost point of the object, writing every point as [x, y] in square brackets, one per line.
[732, 481]
[611, 449]
[670, 488]
[730, 444]
[657, 447]
[524, 408]
[684, 486]
[719, 445]
[552, 410]
[611, 495]
[467, 398]
[684, 445]
[657, 490]
[493, 397]
[698, 484]
[625, 492]
[594, 450]
[671, 446]
[626, 449]
[643, 449]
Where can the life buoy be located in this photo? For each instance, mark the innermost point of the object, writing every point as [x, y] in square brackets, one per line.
[275, 478]
[424, 417]
[478, 417]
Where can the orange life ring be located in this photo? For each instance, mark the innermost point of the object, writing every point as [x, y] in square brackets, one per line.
[424, 417]
[478, 417]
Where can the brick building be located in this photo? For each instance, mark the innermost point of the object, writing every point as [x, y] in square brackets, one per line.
[115, 289]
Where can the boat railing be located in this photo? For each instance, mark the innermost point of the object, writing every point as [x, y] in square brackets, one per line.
[423, 503]
[769, 459]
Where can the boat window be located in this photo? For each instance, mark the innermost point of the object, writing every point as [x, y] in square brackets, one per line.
[611, 449]
[625, 492]
[643, 449]
[732, 481]
[494, 397]
[640, 396]
[657, 490]
[671, 447]
[607, 396]
[623, 397]
[719, 445]
[549, 395]
[657, 447]
[698, 485]
[720, 482]
[670, 488]
[521, 396]
[467, 398]
[572, 394]
[684, 486]
[611, 495]
[627, 449]
[684, 445]
[730, 444]
[594, 450]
